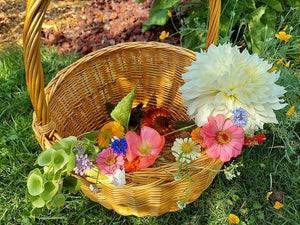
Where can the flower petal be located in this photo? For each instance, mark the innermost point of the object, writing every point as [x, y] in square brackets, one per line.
[133, 140]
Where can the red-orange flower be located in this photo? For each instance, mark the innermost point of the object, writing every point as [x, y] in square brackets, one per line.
[255, 140]
[160, 120]
[132, 166]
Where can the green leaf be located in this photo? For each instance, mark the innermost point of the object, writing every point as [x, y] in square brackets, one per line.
[275, 4]
[59, 160]
[45, 157]
[65, 143]
[139, 1]
[71, 163]
[257, 205]
[51, 188]
[57, 201]
[71, 184]
[158, 13]
[122, 111]
[249, 4]
[92, 135]
[37, 201]
[294, 3]
[35, 183]
[181, 124]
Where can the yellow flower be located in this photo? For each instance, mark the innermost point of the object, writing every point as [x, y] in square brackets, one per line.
[284, 29]
[110, 130]
[272, 69]
[288, 64]
[283, 36]
[163, 35]
[169, 14]
[277, 205]
[280, 61]
[268, 194]
[292, 143]
[290, 111]
[233, 219]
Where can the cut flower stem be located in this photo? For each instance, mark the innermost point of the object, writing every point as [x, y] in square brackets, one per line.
[181, 129]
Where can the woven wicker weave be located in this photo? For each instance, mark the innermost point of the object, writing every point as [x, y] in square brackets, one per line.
[74, 103]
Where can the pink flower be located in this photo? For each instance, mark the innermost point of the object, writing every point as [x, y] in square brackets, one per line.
[109, 162]
[222, 138]
[147, 146]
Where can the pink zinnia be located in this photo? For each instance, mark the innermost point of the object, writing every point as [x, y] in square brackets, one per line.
[222, 138]
[147, 146]
[109, 162]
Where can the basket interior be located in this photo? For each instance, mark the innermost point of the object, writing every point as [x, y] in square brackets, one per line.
[77, 95]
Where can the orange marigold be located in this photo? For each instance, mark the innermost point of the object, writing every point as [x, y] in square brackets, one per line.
[197, 138]
[277, 205]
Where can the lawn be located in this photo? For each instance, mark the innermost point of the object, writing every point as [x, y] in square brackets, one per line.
[273, 166]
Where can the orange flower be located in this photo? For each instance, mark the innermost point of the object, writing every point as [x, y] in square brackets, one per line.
[290, 111]
[132, 166]
[288, 64]
[283, 36]
[233, 219]
[197, 138]
[277, 205]
[280, 61]
[272, 69]
[160, 120]
[163, 35]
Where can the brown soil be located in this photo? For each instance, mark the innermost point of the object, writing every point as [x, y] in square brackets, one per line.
[76, 25]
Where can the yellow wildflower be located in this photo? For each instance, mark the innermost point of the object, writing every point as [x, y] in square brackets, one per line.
[268, 194]
[277, 205]
[110, 130]
[163, 35]
[284, 29]
[292, 143]
[280, 61]
[290, 111]
[283, 36]
[193, 12]
[288, 64]
[272, 69]
[233, 219]
[169, 14]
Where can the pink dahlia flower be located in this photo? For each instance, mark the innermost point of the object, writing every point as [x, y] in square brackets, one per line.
[147, 146]
[222, 138]
[109, 162]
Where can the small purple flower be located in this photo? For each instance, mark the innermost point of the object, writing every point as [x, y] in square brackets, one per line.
[82, 164]
[239, 117]
[119, 146]
[93, 189]
[79, 148]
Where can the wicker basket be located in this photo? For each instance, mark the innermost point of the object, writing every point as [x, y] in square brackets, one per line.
[74, 103]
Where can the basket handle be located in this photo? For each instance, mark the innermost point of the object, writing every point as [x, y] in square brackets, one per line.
[35, 12]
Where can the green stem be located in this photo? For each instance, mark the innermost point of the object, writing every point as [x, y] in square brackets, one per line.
[181, 129]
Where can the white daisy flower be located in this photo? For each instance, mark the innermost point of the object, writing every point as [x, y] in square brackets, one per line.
[223, 79]
[185, 150]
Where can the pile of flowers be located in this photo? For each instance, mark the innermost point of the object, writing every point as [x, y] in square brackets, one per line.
[229, 96]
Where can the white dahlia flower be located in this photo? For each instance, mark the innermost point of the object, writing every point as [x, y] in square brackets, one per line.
[223, 79]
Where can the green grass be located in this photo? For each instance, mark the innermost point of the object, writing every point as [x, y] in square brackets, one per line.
[273, 166]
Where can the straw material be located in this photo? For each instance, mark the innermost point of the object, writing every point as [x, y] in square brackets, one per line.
[74, 103]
